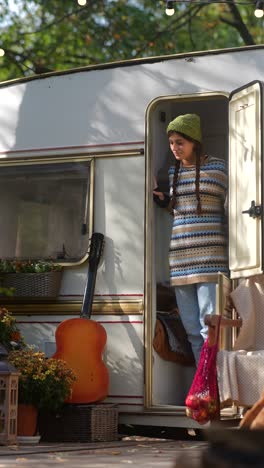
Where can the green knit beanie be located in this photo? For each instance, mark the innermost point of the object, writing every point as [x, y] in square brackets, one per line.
[188, 124]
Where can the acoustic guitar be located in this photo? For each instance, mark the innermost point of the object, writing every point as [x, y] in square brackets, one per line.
[81, 341]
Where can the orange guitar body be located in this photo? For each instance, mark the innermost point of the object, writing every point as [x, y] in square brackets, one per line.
[81, 342]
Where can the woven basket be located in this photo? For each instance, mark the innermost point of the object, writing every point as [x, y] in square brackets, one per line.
[33, 284]
[80, 423]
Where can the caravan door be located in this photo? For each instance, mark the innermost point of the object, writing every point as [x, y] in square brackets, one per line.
[245, 181]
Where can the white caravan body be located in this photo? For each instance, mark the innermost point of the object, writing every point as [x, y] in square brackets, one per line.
[115, 116]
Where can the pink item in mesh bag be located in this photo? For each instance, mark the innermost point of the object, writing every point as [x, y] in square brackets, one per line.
[202, 401]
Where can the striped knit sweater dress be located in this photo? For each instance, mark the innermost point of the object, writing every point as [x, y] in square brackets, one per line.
[198, 247]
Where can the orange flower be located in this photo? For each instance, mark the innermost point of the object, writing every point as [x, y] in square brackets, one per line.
[15, 336]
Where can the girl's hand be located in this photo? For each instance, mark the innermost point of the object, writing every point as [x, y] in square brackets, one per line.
[156, 190]
[158, 194]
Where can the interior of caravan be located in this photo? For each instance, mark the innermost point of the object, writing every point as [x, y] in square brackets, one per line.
[213, 111]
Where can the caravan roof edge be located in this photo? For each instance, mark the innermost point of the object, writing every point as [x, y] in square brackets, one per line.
[129, 62]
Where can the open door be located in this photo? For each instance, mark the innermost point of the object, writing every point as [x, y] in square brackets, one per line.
[245, 181]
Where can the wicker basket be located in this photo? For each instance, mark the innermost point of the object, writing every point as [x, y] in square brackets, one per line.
[80, 423]
[33, 284]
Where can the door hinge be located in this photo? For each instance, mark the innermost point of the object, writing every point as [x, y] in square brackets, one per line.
[255, 211]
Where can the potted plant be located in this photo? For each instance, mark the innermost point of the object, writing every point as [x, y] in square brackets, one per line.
[44, 383]
[31, 277]
[10, 336]
[28, 266]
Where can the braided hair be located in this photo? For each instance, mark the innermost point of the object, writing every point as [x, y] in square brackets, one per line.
[198, 150]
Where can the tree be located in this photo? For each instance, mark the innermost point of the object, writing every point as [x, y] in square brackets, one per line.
[43, 35]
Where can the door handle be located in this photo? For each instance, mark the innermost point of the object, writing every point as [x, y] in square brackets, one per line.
[255, 211]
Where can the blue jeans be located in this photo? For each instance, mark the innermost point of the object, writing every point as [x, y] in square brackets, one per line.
[194, 302]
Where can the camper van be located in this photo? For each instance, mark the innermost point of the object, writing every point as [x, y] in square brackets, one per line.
[79, 153]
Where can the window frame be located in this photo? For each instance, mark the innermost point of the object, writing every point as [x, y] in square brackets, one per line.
[89, 212]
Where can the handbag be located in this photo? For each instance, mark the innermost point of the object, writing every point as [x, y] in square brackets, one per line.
[170, 339]
[202, 401]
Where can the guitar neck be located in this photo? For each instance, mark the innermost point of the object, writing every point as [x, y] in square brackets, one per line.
[88, 295]
[95, 254]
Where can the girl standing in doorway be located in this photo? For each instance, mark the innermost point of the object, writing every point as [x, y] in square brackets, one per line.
[198, 246]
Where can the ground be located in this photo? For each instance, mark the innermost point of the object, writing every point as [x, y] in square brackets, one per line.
[131, 450]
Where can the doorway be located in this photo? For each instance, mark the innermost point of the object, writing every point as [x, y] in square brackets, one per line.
[167, 383]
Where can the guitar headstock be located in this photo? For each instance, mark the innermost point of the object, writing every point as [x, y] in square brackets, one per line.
[96, 250]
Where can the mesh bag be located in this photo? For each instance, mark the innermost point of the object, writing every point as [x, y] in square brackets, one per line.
[202, 401]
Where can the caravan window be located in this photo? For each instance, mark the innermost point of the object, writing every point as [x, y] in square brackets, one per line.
[44, 210]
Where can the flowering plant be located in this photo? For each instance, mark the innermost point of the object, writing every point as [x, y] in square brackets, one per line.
[43, 382]
[10, 336]
[28, 266]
